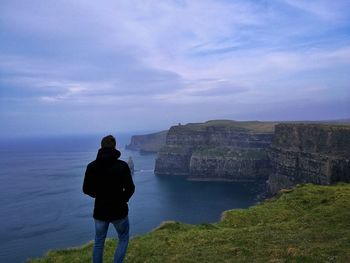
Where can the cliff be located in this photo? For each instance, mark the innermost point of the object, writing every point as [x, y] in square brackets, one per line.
[149, 143]
[217, 150]
[286, 154]
[309, 153]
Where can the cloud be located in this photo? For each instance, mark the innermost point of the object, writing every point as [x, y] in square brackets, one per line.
[144, 58]
[323, 9]
[216, 87]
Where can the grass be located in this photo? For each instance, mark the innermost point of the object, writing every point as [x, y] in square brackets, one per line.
[256, 126]
[253, 126]
[308, 224]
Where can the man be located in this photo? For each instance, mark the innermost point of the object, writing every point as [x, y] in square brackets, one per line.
[108, 180]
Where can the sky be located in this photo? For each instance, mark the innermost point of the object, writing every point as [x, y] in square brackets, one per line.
[87, 66]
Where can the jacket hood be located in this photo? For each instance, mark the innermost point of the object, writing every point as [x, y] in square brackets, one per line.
[107, 154]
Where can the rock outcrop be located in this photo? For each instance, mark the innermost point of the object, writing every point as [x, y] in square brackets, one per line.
[309, 153]
[217, 150]
[149, 143]
[131, 165]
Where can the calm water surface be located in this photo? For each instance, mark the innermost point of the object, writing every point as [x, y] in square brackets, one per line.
[43, 207]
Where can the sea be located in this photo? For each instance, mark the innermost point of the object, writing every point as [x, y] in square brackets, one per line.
[42, 206]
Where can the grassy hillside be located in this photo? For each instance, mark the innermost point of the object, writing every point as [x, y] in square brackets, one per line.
[259, 126]
[308, 224]
[254, 126]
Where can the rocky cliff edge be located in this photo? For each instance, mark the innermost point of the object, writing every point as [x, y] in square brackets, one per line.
[217, 150]
[309, 153]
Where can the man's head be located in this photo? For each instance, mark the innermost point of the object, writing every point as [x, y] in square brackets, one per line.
[108, 142]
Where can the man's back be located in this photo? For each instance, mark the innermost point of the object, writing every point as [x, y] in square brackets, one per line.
[109, 181]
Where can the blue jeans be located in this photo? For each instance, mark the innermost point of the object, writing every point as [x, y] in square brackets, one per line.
[122, 227]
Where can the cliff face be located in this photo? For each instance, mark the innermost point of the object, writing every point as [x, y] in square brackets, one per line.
[309, 153]
[291, 153]
[149, 143]
[229, 164]
[173, 160]
[217, 150]
[217, 135]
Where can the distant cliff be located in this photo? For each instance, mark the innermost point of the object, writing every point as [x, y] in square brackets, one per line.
[286, 154]
[217, 150]
[309, 153]
[149, 143]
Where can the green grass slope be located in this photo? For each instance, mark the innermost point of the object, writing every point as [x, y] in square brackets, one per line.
[254, 126]
[308, 224]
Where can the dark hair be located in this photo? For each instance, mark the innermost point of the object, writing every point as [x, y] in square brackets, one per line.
[108, 142]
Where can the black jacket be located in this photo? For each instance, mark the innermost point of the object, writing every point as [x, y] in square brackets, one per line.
[108, 180]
